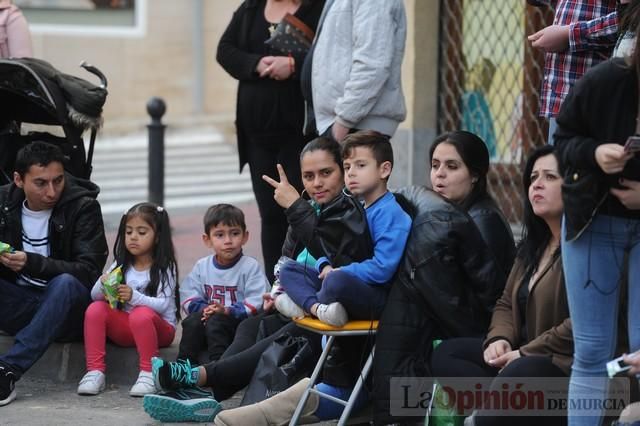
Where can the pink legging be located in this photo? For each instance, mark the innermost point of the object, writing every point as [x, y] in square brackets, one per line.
[142, 328]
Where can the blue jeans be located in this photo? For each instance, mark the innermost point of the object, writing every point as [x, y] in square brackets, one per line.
[37, 317]
[553, 126]
[593, 266]
[361, 300]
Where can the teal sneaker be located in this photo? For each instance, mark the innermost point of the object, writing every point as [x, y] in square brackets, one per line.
[169, 376]
[184, 405]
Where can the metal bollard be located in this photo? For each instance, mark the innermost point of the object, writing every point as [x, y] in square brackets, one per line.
[156, 108]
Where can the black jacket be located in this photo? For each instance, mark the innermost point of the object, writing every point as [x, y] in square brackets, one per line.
[600, 108]
[496, 232]
[339, 232]
[446, 286]
[76, 233]
[236, 56]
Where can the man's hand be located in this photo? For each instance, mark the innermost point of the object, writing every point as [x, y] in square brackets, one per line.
[285, 194]
[14, 261]
[629, 195]
[325, 271]
[554, 38]
[125, 293]
[495, 350]
[612, 157]
[339, 132]
[279, 69]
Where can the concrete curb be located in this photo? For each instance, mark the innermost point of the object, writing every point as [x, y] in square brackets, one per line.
[65, 362]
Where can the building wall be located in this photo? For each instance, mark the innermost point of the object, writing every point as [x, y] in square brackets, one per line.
[159, 61]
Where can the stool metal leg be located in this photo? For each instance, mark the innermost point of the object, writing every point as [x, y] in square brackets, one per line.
[312, 382]
[356, 389]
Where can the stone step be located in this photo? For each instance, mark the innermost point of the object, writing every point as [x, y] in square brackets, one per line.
[65, 362]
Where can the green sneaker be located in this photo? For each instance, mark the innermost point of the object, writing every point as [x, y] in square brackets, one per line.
[183, 405]
[169, 376]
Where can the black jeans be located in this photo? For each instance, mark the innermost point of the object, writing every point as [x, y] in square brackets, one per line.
[263, 155]
[215, 335]
[463, 357]
[234, 370]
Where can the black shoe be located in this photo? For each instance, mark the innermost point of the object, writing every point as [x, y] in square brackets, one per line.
[7, 385]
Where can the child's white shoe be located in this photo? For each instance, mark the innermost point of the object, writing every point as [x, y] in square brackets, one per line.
[144, 385]
[288, 307]
[92, 383]
[333, 314]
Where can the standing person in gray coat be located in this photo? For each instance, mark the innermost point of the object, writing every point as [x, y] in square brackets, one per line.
[355, 69]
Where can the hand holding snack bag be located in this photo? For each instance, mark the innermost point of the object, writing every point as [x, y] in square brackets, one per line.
[110, 287]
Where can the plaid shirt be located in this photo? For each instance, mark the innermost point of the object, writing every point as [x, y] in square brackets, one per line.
[593, 27]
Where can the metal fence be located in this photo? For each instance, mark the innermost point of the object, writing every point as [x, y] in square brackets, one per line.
[489, 84]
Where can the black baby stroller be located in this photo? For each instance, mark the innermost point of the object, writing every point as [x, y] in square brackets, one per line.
[33, 91]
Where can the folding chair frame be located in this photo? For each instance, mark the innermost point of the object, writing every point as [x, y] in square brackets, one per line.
[348, 405]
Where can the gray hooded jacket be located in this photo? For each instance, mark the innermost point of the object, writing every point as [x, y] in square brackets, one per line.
[356, 75]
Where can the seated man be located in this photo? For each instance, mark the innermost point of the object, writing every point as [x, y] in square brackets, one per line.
[54, 225]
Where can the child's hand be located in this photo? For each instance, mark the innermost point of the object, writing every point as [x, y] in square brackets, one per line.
[125, 293]
[325, 271]
[268, 302]
[213, 309]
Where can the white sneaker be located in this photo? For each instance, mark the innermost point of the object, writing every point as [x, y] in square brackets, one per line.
[288, 307]
[92, 383]
[333, 314]
[144, 385]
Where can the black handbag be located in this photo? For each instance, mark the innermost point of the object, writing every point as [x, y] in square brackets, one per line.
[287, 360]
[291, 36]
[583, 192]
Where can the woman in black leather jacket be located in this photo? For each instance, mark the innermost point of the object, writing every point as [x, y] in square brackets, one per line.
[455, 267]
[459, 164]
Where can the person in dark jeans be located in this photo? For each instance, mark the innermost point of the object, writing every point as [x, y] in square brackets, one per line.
[54, 225]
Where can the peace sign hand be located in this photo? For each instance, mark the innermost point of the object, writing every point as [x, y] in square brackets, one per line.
[285, 194]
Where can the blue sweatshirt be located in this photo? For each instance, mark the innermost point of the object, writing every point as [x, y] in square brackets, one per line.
[389, 226]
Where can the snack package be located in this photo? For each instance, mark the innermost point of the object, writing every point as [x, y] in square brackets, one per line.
[5, 248]
[110, 287]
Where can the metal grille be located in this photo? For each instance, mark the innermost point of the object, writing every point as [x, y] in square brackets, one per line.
[489, 84]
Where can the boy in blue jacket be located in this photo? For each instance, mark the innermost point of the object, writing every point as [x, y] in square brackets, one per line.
[358, 290]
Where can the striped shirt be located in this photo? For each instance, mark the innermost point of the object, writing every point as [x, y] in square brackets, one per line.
[593, 27]
[35, 239]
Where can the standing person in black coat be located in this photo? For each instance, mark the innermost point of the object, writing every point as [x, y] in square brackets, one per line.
[270, 107]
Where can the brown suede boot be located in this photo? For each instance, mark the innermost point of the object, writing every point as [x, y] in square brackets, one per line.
[274, 411]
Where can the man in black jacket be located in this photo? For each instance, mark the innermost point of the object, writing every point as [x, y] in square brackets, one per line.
[54, 225]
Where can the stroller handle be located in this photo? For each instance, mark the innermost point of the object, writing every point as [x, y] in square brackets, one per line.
[93, 70]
